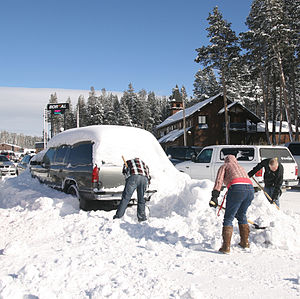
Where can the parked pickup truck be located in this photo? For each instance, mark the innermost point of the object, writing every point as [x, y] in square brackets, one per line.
[208, 161]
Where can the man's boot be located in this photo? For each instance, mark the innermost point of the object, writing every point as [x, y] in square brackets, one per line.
[244, 233]
[226, 234]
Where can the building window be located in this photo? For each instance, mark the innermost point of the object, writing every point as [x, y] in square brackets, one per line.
[188, 123]
[202, 122]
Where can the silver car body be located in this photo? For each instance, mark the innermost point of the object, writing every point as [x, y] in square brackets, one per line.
[7, 168]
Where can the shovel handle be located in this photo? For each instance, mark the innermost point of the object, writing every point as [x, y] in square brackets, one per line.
[124, 161]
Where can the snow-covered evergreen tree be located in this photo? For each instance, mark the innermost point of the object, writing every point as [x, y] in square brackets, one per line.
[205, 84]
[221, 54]
[55, 120]
[70, 118]
[124, 118]
[94, 109]
[130, 99]
[142, 111]
[110, 117]
[271, 45]
[82, 112]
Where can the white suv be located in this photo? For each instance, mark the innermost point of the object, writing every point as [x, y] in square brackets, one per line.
[208, 161]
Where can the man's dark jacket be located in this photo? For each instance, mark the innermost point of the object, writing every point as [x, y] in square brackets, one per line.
[271, 178]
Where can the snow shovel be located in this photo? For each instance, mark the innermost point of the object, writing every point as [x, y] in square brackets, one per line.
[256, 226]
[266, 194]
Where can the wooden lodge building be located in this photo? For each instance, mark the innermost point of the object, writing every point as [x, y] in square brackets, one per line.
[205, 124]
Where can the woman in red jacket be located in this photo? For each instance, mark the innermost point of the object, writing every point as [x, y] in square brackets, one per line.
[239, 197]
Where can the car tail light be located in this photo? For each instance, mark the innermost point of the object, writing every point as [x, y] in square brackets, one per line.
[95, 174]
[296, 170]
[259, 173]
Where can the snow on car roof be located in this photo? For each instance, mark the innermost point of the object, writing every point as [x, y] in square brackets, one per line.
[113, 142]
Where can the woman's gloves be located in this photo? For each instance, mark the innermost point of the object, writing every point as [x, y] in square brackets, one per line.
[214, 198]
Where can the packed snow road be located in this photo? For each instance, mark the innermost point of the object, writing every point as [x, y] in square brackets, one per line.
[51, 249]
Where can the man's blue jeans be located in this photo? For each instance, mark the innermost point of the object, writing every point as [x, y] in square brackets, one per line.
[269, 191]
[134, 182]
[239, 198]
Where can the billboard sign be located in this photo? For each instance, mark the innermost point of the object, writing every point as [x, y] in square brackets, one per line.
[58, 108]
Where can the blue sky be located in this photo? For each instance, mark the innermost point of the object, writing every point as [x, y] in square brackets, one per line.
[76, 44]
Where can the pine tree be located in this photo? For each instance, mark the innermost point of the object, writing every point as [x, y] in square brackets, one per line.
[205, 84]
[272, 43]
[81, 112]
[110, 117]
[94, 109]
[141, 109]
[130, 99]
[221, 54]
[55, 120]
[70, 118]
[124, 118]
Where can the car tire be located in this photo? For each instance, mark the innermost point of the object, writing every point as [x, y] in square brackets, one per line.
[72, 190]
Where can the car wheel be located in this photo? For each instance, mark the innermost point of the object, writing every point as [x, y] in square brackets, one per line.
[73, 191]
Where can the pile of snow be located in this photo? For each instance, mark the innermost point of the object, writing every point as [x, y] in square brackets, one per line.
[51, 249]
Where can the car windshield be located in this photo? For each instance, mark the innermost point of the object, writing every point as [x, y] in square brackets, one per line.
[3, 159]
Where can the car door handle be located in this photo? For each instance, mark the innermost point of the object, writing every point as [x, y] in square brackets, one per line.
[207, 166]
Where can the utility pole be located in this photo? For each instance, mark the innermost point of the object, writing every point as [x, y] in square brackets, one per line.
[184, 124]
[45, 127]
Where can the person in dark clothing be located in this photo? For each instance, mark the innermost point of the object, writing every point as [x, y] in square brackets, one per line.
[273, 177]
[137, 178]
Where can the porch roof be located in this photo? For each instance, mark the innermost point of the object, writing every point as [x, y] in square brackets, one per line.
[172, 136]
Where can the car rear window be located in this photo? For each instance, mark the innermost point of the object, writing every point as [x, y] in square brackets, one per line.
[282, 154]
[80, 154]
[295, 149]
[241, 154]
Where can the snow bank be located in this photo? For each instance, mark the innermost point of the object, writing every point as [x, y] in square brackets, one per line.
[51, 249]
[184, 211]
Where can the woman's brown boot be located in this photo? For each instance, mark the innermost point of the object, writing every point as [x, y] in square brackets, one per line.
[226, 234]
[244, 233]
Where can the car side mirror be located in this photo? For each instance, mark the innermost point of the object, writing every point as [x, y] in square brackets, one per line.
[194, 158]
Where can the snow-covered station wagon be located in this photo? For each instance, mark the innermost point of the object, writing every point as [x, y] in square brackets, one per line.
[87, 162]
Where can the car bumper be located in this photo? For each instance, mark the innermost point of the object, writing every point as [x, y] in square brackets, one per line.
[8, 173]
[117, 195]
[290, 183]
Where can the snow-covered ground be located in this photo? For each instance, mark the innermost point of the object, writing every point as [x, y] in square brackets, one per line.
[51, 249]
